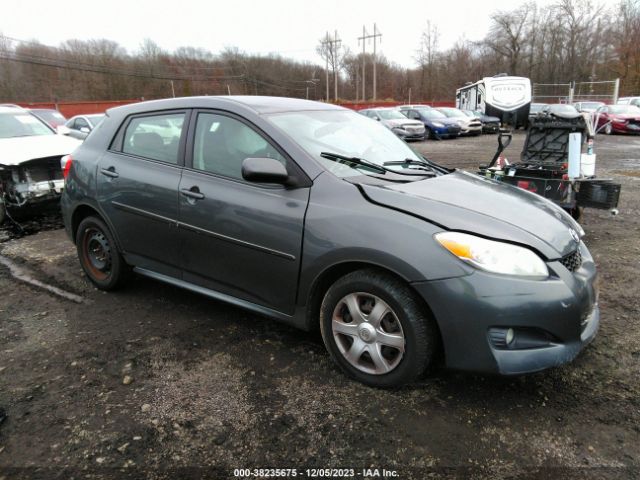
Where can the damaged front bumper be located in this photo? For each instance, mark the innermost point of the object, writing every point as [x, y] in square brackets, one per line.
[31, 183]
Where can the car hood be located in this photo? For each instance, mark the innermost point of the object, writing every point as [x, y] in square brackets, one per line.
[400, 122]
[14, 151]
[625, 116]
[488, 119]
[466, 202]
[445, 121]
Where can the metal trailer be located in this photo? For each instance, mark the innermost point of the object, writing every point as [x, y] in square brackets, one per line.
[550, 166]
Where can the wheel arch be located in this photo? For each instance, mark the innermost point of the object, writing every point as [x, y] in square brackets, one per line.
[332, 273]
[85, 210]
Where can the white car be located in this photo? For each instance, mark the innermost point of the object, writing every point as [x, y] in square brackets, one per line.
[81, 126]
[468, 125]
[629, 101]
[30, 155]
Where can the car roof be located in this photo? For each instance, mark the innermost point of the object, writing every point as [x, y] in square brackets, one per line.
[259, 104]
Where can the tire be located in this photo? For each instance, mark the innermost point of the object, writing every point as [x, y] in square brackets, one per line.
[608, 129]
[99, 255]
[403, 340]
[576, 213]
[3, 211]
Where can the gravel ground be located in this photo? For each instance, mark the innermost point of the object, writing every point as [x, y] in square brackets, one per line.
[156, 382]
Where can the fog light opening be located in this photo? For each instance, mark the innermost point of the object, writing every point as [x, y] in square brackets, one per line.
[509, 336]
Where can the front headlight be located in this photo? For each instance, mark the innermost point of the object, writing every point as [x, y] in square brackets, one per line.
[438, 124]
[493, 256]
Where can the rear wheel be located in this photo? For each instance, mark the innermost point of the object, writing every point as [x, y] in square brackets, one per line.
[376, 330]
[98, 254]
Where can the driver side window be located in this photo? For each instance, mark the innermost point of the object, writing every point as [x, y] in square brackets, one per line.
[222, 143]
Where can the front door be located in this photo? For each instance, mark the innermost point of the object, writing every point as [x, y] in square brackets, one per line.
[138, 182]
[239, 238]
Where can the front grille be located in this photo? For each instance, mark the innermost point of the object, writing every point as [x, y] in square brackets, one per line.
[573, 261]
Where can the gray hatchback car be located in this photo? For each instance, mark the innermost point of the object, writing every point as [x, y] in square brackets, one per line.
[316, 216]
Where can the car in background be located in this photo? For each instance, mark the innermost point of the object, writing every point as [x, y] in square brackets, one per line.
[309, 213]
[588, 107]
[563, 110]
[436, 123]
[489, 124]
[468, 125]
[535, 109]
[629, 101]
[618, 119]
[395, 121]
[82, 125]
[30, 156]
[52, 117]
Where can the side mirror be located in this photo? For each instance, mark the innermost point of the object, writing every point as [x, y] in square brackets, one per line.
[376, 118]
[264, 170]
[85, 130]
[63, 130]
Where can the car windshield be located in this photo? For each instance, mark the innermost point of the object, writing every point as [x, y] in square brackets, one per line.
[432, 113]
[468, 113]
[452, 112]
[390, 114]
[560, 108]
[22, 124]
[51, 116]
[591, 105]
[624, 109]
[345, 133]
[96, 119]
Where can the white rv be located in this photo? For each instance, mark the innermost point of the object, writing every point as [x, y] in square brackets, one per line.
[502, 96]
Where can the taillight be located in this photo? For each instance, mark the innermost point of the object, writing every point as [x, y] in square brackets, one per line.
[65, 163]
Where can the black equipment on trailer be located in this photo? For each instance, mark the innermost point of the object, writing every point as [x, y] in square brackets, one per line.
[544, 162]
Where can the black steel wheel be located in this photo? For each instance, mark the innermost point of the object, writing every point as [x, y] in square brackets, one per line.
[99, 255]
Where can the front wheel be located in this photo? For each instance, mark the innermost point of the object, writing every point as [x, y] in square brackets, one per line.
[376, 329]
[99, 255]
[608, 129]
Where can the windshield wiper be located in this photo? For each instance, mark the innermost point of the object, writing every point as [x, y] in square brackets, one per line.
[367, 164]
[407, 162]
[355, 160]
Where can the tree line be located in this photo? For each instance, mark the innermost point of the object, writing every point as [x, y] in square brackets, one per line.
[570, 40]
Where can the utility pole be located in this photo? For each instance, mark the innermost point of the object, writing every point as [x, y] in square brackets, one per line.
[326, 68]
[364, 60]
[376, 34]
[365, 36]
[332, 50]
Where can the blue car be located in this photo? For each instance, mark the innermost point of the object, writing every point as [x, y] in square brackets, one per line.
[437, 124]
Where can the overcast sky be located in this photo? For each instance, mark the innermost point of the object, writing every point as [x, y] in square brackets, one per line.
[289, 27]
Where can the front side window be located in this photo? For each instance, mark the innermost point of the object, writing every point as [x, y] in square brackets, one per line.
[81, 123]
[222, 143]
[156, 137]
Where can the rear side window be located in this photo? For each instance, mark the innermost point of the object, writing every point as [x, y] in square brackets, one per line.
[156, 137]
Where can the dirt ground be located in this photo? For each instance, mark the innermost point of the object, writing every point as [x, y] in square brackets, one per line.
[156, 382]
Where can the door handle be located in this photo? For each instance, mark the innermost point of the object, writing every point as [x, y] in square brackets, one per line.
[193, 192]
[110, 172]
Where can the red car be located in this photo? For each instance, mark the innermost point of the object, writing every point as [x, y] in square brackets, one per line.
[618, 119]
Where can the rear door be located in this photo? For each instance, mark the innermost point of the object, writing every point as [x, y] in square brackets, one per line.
[138, 182]
[239, 238]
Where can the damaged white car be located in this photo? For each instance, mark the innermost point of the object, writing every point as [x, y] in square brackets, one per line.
[30, 153]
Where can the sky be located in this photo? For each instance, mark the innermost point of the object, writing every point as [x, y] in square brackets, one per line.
[291, 28]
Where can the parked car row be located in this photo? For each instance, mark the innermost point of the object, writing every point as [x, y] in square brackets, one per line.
[624, 117]
[419, 122]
